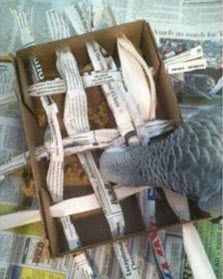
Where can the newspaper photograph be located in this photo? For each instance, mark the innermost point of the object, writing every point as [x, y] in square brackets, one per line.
[207, 82]
[178, 39]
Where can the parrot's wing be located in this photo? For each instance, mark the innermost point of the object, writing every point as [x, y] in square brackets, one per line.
[211, 199]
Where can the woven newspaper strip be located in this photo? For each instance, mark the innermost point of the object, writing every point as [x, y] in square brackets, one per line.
[55, 174]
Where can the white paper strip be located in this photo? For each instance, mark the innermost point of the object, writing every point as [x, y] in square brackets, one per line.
[196, 254]
[58, 85]
[197, 257]
[83, 264]
[48, 87]
[187, 66]
[96, 78]
[78, 19]
[194, 53]
[20, 218]
[92, 137]
[110, 16]
[70, 232]
[58, 28]
[178, 203]
[147, 207]
[55, 174]
[60, 31]
[128, 267]
[90, 202]
[97, 14]
[64, 208]
[21, 19]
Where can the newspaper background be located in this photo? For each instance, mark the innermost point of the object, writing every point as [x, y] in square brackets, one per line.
[178, 26]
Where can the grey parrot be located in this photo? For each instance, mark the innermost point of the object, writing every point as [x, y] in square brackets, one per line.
[188, 161]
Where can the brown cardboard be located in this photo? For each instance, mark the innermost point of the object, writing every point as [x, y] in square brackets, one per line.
[93, 228]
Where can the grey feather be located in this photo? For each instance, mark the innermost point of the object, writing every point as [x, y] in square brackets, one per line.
[189, 161]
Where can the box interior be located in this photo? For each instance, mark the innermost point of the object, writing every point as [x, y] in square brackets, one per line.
[92, 228]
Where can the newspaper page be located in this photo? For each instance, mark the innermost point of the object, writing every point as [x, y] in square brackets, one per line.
[36, 11]
[28, 257]
[11, 191]
[181, 12]
[151, 10]
[7, 83]
[12, 138]
[175, 11]
[12, 142]
[207, 12]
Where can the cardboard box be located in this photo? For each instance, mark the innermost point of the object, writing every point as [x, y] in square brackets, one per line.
[93, 228]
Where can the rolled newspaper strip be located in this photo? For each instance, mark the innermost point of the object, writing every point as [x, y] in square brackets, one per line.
[186, 61]
[58, 27]
[78, 19]
[191, 54]
[55, 174]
